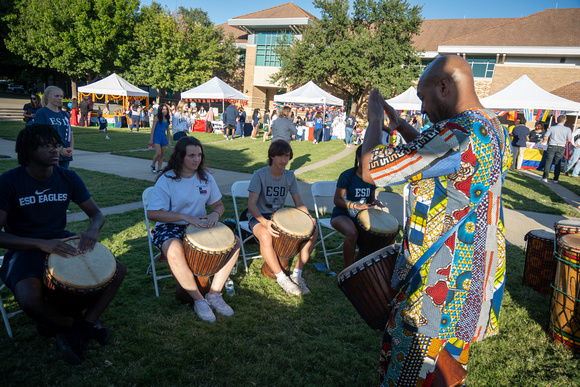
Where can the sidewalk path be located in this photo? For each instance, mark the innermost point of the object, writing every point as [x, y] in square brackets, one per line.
[518, 223]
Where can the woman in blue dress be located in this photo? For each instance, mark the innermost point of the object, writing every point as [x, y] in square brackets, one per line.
[160, 137]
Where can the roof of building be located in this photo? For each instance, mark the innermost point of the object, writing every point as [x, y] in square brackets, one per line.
[240, 35]
[570, 91]
[287, 10]
[545, 28]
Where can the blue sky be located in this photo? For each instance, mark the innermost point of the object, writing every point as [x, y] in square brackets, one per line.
[222, 10]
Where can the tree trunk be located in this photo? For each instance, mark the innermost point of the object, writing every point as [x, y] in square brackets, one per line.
[73, 86]
[158, 90]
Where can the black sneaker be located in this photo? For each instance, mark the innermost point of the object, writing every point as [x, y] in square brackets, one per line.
[101, 334]
[71, 346]
[153, 169]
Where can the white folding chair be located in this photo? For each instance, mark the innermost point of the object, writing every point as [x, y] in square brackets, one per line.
[146, 196]
[6, 316]
[240, 190]
[324, 189]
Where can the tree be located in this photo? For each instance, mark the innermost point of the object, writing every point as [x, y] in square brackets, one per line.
[79, 38]
[176, 50]
[354, 53]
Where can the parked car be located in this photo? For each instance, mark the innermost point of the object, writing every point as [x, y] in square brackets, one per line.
[15, 88]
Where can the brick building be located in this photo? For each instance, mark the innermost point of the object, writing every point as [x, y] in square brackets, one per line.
[544, 45]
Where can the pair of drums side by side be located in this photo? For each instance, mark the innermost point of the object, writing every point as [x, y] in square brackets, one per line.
[540, 264]
[564, 325]
[376, 230]
[72, 284]
[207, 250]
[367, 285]
[295, 229]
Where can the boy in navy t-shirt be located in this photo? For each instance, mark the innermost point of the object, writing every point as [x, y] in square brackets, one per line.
[102, 124]
[33, 203]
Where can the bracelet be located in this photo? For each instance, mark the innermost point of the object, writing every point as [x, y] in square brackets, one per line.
[217, 213]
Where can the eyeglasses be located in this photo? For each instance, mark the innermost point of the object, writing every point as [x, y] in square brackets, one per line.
[33, 99]
[52, 147]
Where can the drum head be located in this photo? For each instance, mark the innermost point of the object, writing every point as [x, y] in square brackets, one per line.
[542, 234]
[570, 242]
[567, 223]
[293, 222]
[368, 260]
[219, 238]
[378, 221]
[84, 271]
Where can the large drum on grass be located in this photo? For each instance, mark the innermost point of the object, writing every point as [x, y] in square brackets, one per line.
[296, 229]
[540, 262]
[376, 229]
[367, 285]
[564, 323]
[73, 283]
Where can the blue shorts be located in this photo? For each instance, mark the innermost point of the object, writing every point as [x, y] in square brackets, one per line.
[165, 231]
[21, 264]
[252, 222]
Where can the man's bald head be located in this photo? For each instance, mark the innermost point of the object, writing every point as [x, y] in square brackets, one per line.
[446, 88]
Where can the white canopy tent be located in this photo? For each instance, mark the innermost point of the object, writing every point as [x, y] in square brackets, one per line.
[116, 87]
[309, 93]
[214, 89]
[523, 93]
[408, 100]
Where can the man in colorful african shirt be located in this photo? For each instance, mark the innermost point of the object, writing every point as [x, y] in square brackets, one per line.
[451, 268]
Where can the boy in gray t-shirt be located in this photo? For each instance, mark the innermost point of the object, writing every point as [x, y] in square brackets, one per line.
[268, 190]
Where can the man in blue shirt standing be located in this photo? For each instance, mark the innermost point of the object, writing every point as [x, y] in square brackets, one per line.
[557, 137]
[520, 137]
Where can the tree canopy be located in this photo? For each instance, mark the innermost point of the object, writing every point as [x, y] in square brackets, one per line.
[176, 50]
[79, 38]
[355, 52]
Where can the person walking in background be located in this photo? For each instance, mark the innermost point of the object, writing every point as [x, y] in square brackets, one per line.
[318, 123]
[52, 114]
[241, 121]
[160, 137]
[102, 123]
[135, 116]
[74, 113]
[416, 122]
[209, 119]
[573, 164]
[85, 108]
[557, 137]
[267, 125]
[256, 116]
[300, 128]
[230, 121]
[349, 126]
[30, 109]
[520, 135]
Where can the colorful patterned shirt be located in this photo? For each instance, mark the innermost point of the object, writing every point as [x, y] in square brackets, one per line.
[455, 296]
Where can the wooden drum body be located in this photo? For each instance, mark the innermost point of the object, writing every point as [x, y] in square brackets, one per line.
[296, 229]
[367, 285]
[376, 229]
[566, 226]
[565, 301]
[73, 283]
[540, 263]
[207, 250]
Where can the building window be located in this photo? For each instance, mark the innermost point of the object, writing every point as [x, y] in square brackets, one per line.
[265, 50]
[482, 67]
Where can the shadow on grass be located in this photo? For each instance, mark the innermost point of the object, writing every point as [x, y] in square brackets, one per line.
[299, 161]
[519, 193]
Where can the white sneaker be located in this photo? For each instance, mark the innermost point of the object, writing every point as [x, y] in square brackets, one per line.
[545, 180]
[217, 303]
[203, 310]
[301, 284]
[289, 286]
[107, 138]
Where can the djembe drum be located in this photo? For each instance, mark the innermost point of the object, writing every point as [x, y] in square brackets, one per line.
[540, 263]
[207, 250]
[74, 283]
[564, 323]
[367, 285]
[566, 226]
[295, 229]
[376, 229]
